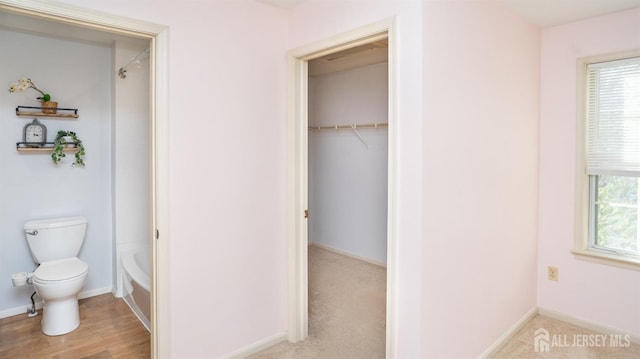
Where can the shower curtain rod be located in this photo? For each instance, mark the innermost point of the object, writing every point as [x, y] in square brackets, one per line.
[350, 127]
[123, 70]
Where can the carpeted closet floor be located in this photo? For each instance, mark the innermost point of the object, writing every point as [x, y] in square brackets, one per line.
[347, 300]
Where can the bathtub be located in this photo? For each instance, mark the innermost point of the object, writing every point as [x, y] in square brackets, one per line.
[136, 269]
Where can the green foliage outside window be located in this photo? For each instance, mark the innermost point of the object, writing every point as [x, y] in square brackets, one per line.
[617, 212]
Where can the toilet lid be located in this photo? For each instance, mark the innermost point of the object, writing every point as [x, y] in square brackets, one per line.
[60, 269]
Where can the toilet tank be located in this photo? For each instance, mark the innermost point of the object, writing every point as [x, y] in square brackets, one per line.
[55, 238]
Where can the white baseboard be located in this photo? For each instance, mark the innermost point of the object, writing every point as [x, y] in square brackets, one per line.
[23, 308]
[354, 256]
[579, 322]
[256, 347]
[94, 292]
[504, 338]
[582, 323]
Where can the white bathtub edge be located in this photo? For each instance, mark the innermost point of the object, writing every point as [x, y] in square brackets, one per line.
[134, 271]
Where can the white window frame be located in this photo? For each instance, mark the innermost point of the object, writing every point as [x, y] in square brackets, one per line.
[583, 248]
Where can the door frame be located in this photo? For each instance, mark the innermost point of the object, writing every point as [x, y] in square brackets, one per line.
[297, 171]
[159, 138]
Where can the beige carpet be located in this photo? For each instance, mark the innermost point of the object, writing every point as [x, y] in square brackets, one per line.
[564, 341]
[347, 320]
[346, 310]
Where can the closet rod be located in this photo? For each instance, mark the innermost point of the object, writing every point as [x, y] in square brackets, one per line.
[350, 127]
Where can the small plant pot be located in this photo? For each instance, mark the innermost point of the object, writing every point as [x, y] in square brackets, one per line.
[68, 141]
[50, 107]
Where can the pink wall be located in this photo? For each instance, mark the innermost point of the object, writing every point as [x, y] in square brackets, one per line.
[593, 292]
[228, 233]
[227, 169]
[473, 273]
[481, 91]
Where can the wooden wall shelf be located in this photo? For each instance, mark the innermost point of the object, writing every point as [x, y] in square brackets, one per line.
[47, 147]
[44, 149]
[62, 112]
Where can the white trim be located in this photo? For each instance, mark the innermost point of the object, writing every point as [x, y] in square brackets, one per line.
[23, 309]
[20, 310]
[581, 247]
[508, 335]
[583, 323]
[581, 207]
[95, 292]
[160, 276]
[392, 188]
[159, 89]
[615, 260]
[566, 318]
[297, 172]
[256, 347]
[348, 254]
[298, 328]
[74, 15]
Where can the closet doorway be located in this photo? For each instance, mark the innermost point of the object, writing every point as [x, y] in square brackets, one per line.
[347, 194]
[312, 140]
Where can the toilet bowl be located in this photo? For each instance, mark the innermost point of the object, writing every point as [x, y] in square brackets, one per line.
[55, 245]
[58, 284]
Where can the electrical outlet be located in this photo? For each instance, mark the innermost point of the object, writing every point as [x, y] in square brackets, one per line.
[552, 273]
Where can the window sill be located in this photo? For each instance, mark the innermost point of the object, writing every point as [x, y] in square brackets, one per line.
[615, 260]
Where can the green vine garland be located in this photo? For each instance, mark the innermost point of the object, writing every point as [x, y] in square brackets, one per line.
[59, 145]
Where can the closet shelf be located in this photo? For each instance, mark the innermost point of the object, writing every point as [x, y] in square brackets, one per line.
[67, 112]
[350, 127]
[46, 147]
[354, 127]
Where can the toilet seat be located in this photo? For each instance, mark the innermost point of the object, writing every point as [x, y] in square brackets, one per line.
[60, 270]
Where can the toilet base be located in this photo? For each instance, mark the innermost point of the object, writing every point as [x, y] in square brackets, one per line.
[60, 317]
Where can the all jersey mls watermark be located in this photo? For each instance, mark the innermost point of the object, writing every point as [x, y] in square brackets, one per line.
[544, 341]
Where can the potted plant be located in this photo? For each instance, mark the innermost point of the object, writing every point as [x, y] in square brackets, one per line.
[63, 139]
[48, 106]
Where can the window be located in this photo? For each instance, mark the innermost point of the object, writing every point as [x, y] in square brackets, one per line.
[612, 124]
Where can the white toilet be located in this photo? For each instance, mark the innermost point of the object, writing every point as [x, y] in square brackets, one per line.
[55, 244]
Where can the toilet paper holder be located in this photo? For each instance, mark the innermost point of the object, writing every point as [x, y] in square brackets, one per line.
[20, 279]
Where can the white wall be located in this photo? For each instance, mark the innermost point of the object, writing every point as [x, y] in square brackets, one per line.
[481, 75]
[130, 154]
[597, 293]
[356, 96]
[348, 180]
[77, 75]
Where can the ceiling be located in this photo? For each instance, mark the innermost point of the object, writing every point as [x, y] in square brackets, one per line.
[362, 55]
[286, 4]
[543, 13]
[547, 13]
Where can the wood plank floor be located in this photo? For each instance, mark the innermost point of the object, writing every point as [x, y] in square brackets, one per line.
[108, 329]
